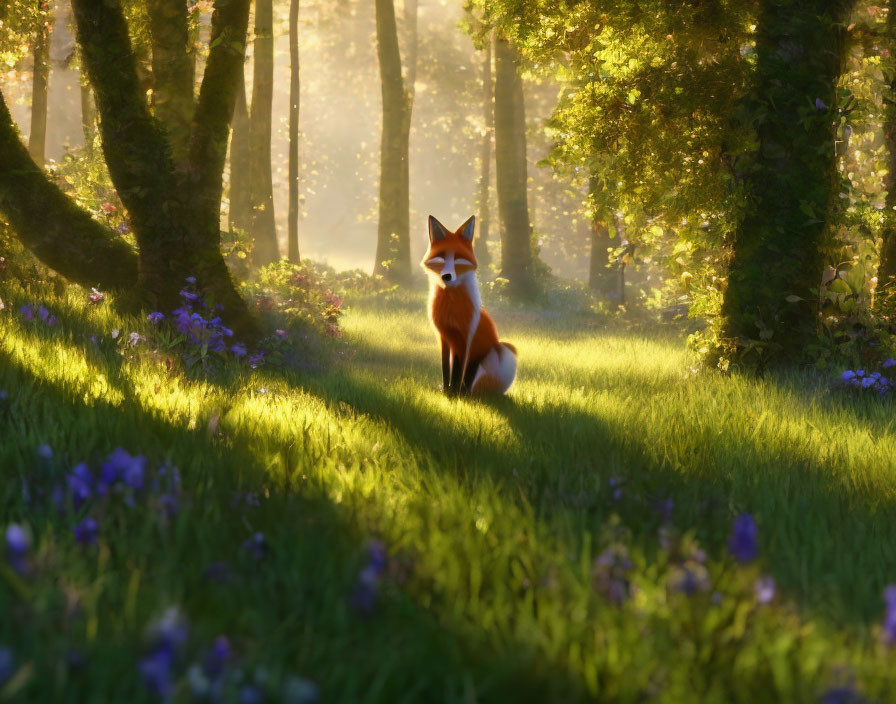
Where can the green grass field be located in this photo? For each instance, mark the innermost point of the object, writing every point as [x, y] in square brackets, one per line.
[493, 514]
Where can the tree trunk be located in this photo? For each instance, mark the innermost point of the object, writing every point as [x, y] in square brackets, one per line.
[393, 250]
[88, 114]
[48, 223]
[37, 140]
[174, 213]
[483, 256]
[264, 228]
[511, 170]
[793, 180]
[885, 301]
[294, 95]
[173, 72]
[603, 279]
[240, 199]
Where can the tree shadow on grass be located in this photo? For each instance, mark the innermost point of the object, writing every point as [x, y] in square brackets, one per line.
[827, 538]
[288, 611]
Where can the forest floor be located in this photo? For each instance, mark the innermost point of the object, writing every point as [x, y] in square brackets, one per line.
[539, 545]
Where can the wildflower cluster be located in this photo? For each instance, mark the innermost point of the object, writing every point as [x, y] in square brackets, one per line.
[212, 673]
[298, 295]
[203, 337]
[871, 381]
[30, 313]
[367, 585]
[86, 493]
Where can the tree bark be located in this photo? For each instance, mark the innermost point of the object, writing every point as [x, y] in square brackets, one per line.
[264, 228]
[88, 114]
[792, 182]
[483, 256]
[240, 200]
[37, 140]
[294, 96]
[511, 170]
[174, 213]
[393, 250]
[885, 300]
[173, 72]
[48, 223]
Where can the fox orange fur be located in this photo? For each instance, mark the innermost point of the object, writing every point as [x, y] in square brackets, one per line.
[474, 360]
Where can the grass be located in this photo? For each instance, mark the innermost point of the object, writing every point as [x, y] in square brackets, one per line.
[493, 513]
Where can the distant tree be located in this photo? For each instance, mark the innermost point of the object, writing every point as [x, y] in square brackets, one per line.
[239, 196]
[174, 213]
[517, 259]
[172, 72]
[483, 256]
[261, 185]
[37, 140]
[294, 96]
[393, 250]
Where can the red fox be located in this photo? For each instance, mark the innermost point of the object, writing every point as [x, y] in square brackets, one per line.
[474, 361]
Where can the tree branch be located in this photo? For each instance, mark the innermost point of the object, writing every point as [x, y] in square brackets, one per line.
[217, 98]
[50, 225]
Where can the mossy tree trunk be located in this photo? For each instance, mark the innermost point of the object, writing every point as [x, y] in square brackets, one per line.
[792, 181]
[49, 224]
[37, 139]
[886, 273]
[294, 96]
[174, 213]
[240, 199]
[261, 186]
[393, 249]
[517, 260]
[173, 72]
[483, 256]
[603, 278]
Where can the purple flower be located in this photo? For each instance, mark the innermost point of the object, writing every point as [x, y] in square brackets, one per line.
[218, 572]
[7, 664]
[610, 574]
[690, 579]
[889, 363]
[743, 541]
[80, 485]
[256, 546]
[848, 375]
[841, 695]
[190, 279]
[238, 350]
[51, 321]
[171, 630]
[44, 453]
[217, 658]
[188, 296]
[86, 531]
[819, 105]
[43, 313]
[155, 317]
[155, 670]
[366, 588]
[256, 360]
[16, 540]
[888, 628]
[250, 694]
[765, 588]
[17, 544]
[27, 312]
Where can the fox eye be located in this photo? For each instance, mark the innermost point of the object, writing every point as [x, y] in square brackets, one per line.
[462, 265]
[436, 262]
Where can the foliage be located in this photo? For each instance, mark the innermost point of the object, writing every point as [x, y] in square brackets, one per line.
[336, 509]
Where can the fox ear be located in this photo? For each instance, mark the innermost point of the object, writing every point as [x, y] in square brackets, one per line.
[437, 231]
[468, 229]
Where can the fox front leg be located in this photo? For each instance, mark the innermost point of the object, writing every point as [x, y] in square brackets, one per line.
[457, 370]
[446, 366]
